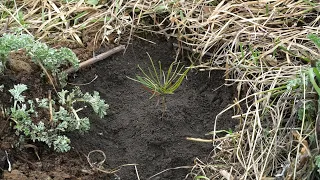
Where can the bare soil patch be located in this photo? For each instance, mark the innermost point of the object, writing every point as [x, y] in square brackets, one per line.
[134, 132]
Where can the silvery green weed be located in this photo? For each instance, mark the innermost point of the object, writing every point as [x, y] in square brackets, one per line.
[65, 118]
[43, 119]
[51, 59]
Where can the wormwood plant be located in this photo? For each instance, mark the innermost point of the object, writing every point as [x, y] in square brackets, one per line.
[61, 116]
[159, 82]
[47, 119]
[50, 60]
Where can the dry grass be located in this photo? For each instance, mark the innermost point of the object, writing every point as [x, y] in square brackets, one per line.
[261, 45]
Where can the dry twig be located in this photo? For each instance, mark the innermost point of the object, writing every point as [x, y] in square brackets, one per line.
[96, 59]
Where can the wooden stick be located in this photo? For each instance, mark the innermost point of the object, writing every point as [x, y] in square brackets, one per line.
[96, 59]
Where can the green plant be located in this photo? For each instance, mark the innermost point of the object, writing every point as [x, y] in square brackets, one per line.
[92, 2]
[160, 82]
[308, 111]
[201, 178]
[45, 119]
[10, 42]
[61, 116]
[50, 60]
[314, 78]
[317, 162]
[314, 71]
[308, 79]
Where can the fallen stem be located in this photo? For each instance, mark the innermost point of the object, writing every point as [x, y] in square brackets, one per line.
[176, 168]
[96, 59]
[50, 108]
[199, 140]
[208, 140]
[51, 80]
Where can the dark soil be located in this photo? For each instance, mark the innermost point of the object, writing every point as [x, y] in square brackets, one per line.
[135, 130]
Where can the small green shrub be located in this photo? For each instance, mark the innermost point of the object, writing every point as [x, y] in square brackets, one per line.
[62, 116]
[43, 119]
[51, 59]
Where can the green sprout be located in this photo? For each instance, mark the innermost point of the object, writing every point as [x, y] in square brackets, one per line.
[160, 82]
[314, 70]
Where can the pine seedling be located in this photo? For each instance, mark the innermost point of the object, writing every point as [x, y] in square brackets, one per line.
[160, 82]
